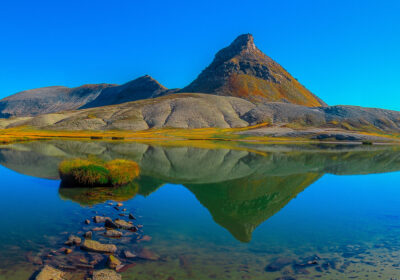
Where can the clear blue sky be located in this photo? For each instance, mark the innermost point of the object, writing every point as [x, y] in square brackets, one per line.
[345, 51]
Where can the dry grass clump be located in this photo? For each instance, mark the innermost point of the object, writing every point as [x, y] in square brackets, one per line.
[122, 171]
[96, 173]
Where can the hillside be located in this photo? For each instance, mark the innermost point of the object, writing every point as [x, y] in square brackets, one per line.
[242, 70]
[211, 111]
[48, 100]
[58, 98]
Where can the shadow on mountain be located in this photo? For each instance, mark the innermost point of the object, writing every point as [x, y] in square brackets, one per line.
[241, 187]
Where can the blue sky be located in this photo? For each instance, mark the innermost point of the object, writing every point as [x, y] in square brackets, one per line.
[346, 52]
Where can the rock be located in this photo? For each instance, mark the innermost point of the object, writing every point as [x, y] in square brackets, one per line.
[119, 204]
[98, 228]
[132, 217]
[88, 235]
[50, 273]
[125, 267]
[118, 223]
[146, 254]
[87, 222]
[129, 254]
[33, 259]
[116, 208]
[73, 240]
[113, 233]
[124, 210]
[113, 262]
[100, 219]
[95, 246]
[146, 238]
[278, 264]
[68, 251]
[106, 274]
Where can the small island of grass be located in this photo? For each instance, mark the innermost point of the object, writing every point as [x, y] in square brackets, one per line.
[97, 173]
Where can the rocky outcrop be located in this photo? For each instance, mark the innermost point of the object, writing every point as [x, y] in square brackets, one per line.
[242, 70]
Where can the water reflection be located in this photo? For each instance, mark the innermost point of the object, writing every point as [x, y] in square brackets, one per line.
[240, 187]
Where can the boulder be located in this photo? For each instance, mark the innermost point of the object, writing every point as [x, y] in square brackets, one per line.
[95, 246]
[50, 273]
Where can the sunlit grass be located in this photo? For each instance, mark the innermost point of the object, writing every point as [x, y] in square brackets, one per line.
[94, 172]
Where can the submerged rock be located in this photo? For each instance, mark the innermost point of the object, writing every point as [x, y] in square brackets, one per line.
[113, 233]
[50, 273]
[95, 246]
[100, 219]
[146, 254]
[88, 235]
[106, 274]
[73, 240]
[132, 217]
[113, 262]
[278, 264]
[129, 254]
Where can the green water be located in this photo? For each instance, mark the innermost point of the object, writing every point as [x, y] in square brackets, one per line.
[253, 212]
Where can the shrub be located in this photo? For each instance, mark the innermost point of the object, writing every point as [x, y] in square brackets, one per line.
[94, 172]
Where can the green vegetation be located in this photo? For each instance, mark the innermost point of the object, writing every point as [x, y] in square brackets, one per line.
[96, 173]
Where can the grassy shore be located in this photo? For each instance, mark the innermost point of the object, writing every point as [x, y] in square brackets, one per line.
[167, 136]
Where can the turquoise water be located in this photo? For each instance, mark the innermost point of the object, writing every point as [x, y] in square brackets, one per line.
[275, 212]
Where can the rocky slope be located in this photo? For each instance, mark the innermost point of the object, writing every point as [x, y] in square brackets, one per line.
[203, 111]
[242, 70]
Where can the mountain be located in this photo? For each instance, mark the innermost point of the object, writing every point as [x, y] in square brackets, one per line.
[141, 88]
[242, 70]
[58, 98]
[48, 100]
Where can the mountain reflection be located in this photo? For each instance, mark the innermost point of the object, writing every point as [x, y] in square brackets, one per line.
[240, 187]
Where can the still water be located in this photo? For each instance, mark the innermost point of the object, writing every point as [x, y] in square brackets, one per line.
[248, 212]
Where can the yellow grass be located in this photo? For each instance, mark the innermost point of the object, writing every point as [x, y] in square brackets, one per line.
[201, 137]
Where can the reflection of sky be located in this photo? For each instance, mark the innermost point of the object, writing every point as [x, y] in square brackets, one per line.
[333, 208]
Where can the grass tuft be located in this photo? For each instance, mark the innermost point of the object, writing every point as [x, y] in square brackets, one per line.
[96, 173]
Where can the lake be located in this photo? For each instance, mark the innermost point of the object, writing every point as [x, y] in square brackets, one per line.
[242, 212]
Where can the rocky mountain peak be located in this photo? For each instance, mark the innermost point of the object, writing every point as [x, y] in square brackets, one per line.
[242, 70]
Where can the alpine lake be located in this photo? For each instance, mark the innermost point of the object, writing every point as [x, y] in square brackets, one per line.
[287, 211]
